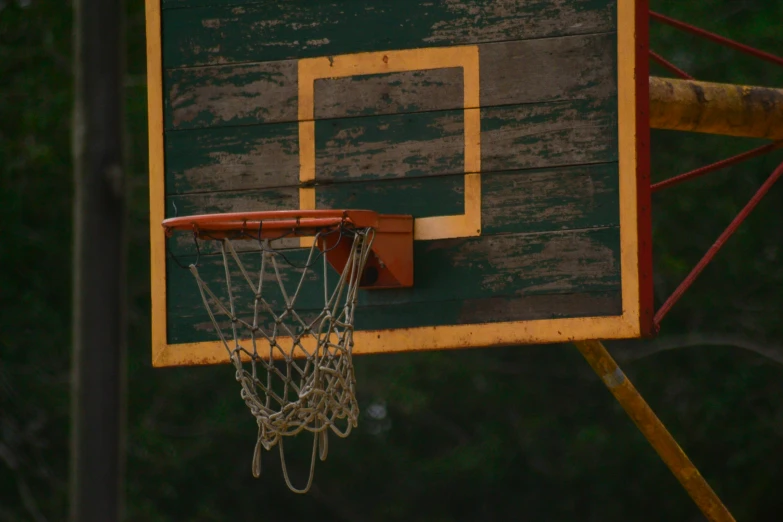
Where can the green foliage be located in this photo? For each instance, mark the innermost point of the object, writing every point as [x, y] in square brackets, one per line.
[516, 433]
[35, 188]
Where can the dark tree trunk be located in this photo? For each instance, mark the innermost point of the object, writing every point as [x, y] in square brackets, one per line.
[99, 333]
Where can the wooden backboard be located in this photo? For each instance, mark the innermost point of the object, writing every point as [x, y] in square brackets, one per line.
[514, 131]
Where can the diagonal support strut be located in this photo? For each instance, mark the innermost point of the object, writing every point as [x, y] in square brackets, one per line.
[654, 431]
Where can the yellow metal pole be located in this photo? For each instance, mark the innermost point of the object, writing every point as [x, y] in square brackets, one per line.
[716, 108]
[654, 430]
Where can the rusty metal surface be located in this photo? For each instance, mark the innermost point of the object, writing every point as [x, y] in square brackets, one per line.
[654, 431]
[716, 108]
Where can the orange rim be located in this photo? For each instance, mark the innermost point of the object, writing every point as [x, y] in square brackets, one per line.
[269, 223]
[391, 265]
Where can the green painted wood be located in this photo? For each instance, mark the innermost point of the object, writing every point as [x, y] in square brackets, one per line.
[402, 196]
[198, 327]
[270, 31]
[549, 69]
[564, 198]
[511, 265]
[279, 198]
[549, 134]
[230, 95]
[232, 158]
[390, 146]
[514, 72]
[389, 93]
[420, 197]
[534, 307]
[513, 137]
[476, 267]
[394, 143]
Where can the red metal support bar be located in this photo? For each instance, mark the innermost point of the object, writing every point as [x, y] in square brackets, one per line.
[666, 64]
[722, 164]
[717, 38]
[744, 213]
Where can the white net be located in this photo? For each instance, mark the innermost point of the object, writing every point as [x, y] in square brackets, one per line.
[295, 368]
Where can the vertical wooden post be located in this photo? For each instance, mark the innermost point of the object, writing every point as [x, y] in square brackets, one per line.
[98, 361]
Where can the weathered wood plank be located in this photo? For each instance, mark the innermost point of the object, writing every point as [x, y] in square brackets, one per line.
[467, 268]
[472, 268]
[420, 197]
[230, 95]
[533, 307]
[392, 146]
[403, 196]
[181, 245]
[392, 93]
[232, 158]
[269, 31]
[197, 327]
[553, 199]
[544, 135]
[511, 264]
[516, 72]
[549, 69]
[278, 198]
[564, 198]
[394, 142]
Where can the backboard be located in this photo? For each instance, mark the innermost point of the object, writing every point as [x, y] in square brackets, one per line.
[514, 131]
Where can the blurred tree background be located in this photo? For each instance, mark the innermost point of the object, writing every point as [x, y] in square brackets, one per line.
[528, 433]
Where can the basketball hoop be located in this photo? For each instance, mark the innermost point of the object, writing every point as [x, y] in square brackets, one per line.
[300, 375]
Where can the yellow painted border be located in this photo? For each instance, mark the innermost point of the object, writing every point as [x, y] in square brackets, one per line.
[160, 346]
[624, 326]
[628, 167]
[342, 66]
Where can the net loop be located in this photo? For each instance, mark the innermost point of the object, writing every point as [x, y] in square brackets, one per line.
[292, 358]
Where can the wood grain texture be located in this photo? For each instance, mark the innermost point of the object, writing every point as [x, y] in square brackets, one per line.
[213, 34]
[198, 328]
[512, 265]
[420, 197]
[550, 306]
[564, 198]
[232, 158]
[231, 95]
[392, 146]
[515, 72]
[402, 196]
[391, 93]
[549, 69]
[543, 135]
